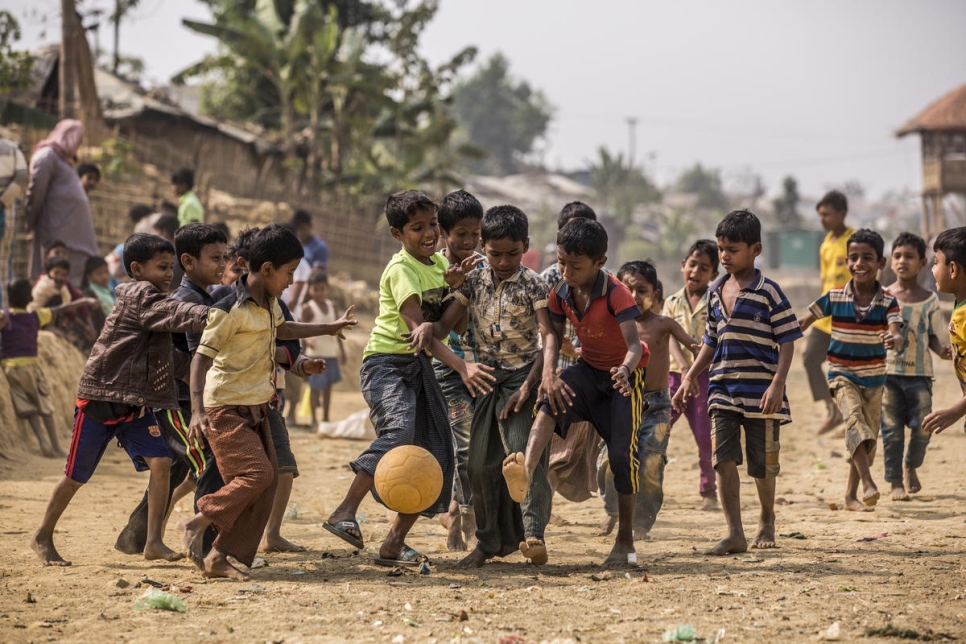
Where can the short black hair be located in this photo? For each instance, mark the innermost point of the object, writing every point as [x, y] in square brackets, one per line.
[142, 247]
[911, 239]
[168, 207]
[575, 210]
[301, 217]
[318, 276]
[709, 249]
[223, 227]
[870, 237]
[643, 268]
[740, 226]
[194, 236]
[274, 244]
[457, 206]
[502, 222]
[93, 263]
[659, 289]
[167, 224]
[138, 211]
[19, 293]
[952, 243]
[56, 262]
[184, 177]
[243, 242]
[835, 199]
[89, 168]
[402, 205]
[583, 237]
[54, 244]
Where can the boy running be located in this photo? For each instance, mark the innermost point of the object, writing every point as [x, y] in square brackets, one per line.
[866, 321]
[748, 344]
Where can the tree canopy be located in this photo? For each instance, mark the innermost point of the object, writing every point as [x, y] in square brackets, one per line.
[14, 65]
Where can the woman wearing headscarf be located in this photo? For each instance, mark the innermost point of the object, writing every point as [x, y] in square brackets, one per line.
[56, 204]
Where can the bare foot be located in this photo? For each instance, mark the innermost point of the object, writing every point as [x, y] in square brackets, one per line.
[535, 550]
[468, 525]
[557, 520]
[912, 478]
[606, 526]
[473, 560]
[871, 496]
[44, 547]
[280, 544]
[855, 505]
[516, 475]
[158, 550]
[216, 566]
[899, 493]
[192, 540]
[765, 537]
[618, 555]
[732, 544]
[709, 503]
[451, 520]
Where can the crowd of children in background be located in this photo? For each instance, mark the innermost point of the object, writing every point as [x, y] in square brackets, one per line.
[521, 385]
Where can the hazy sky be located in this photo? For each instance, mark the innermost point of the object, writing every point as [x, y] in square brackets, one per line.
[814, 89]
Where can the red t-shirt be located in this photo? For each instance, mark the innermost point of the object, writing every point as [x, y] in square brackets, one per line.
[602, 344]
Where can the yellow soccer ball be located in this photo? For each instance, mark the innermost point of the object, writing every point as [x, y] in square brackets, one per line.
[408, 479]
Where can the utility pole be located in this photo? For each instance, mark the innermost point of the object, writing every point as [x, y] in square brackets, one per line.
[69, 27]
[631, 140]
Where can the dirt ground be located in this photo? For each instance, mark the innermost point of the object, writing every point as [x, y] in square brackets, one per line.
[912, 577]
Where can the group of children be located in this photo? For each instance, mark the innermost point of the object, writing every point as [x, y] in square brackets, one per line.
[465, 361]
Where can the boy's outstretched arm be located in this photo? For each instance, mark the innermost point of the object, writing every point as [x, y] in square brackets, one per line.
[688, 385]
[683, 337]
[771, 402]
[520, 396]
[70, 306]
[559, 394]
[421, 337]
[299, 330]
[621, 374]
[200, 423]
[940, 419]
[945, 352]
[893, 338]
[807, 320]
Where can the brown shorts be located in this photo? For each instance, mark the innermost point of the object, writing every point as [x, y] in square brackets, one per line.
[29, 390]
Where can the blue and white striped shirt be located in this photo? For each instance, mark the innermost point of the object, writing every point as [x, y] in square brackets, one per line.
[746, 346]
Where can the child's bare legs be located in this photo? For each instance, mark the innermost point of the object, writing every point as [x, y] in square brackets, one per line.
[624, 544]
[453, 522]
[518, 468]
[859, 471]
[346, 511]
[43, 541]
[45, 447]
[730, 493]
[215, 565]
[314, 398]
[273, 541]
[186, 487]
[326, 400]
[766, 523]
[154, 547]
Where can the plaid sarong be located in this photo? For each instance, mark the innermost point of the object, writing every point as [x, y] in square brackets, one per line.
[407, 407]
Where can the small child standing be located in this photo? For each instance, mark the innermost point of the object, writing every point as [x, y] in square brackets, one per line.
[689, 308]
[131, 371]
[29, 389]
[949, 269]
[318, 308]
[749, 345]
[866, 321]
[98, 281]
[657, 332]
[907, 397]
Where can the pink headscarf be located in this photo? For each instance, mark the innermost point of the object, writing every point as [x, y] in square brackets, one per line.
[65, 139]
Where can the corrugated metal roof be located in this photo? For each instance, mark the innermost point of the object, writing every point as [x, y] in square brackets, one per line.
[948, 114]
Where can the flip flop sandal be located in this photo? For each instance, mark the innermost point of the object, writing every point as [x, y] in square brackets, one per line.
[408, 557]
[341, 530]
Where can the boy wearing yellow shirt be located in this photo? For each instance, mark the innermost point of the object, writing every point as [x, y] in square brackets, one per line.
[832, 254]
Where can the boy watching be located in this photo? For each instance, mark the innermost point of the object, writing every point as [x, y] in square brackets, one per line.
[232, 384]
[130, 372]
[189, 206]
[865, 322]
[29, 389]
[689, 308]
[832, 209]
[907, 397]
[459, 216]
[604, 387]
[657, 332]
[406, 403]
[508, 310]
[90, 176]
[748, 343]
[949, 269]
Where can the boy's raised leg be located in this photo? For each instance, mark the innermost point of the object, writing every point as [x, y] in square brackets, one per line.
[158, 488]
[346, 511]
[624, 544]
[518, 468]
[395, 542]
[273, 541]
[729, 490]
[766, 524]
[43, 541]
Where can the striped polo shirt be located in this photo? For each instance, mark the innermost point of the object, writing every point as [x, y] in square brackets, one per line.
[856, 351]
[746, 344]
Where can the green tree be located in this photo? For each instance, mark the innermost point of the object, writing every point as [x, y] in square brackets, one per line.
[621, 186]
[706, 184]
[786, 205]
[14, 65]
[500, 114]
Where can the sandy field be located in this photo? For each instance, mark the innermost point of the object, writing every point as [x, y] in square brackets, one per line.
[911, 576]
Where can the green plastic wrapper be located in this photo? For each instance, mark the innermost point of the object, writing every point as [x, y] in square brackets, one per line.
[161, 600]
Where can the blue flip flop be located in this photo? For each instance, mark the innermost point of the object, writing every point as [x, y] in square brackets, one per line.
[341, 530]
